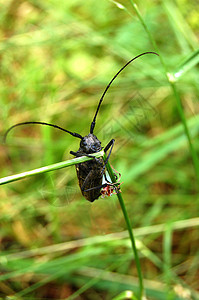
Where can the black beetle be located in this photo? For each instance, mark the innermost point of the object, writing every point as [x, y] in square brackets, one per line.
[90, 173]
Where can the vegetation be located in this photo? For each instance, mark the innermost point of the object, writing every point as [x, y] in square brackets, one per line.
[57, 57]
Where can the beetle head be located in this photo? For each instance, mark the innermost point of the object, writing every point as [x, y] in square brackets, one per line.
[90, 144]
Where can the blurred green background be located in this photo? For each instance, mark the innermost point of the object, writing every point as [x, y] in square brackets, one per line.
[56, 59]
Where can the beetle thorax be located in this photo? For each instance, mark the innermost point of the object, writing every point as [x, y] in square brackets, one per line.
[90, 144]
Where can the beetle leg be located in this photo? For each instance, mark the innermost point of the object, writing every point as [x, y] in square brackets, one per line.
[76, 154]
[96, 187]
[110, 145]
[114, 185]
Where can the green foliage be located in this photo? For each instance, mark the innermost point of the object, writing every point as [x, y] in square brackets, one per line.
[56, 59]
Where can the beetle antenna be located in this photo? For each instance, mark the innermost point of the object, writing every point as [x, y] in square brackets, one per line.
[108, 86]
[42, 123]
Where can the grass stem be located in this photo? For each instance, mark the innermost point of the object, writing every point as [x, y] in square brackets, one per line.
[129, 228]
[49, 168]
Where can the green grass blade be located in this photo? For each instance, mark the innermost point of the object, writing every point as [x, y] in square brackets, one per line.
[189, 63]
[49, 168]
[167, 244]
[183, 31]
[175, 93]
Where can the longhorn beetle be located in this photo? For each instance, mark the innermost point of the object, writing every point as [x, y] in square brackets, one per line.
[90, 173]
